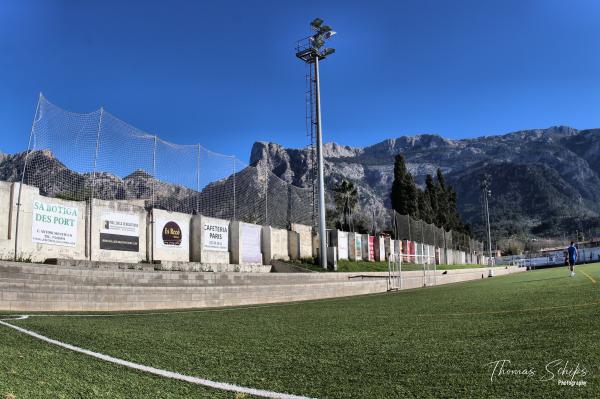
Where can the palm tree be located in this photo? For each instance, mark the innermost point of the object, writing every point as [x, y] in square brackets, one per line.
[346, 198]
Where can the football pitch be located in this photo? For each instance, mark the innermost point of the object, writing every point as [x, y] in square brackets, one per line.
[530, 334]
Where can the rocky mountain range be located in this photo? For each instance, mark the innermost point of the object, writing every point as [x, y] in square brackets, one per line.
[544, 181]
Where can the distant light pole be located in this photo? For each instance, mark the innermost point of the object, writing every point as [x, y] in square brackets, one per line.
[310, 51]
[486, 192]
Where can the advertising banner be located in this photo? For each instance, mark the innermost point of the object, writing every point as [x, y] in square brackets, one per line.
[358, 246]
[54, 224]
[215, 235]
[342, 245]
[120, 232]
[171, 234]
[371, 248]
[250, 248]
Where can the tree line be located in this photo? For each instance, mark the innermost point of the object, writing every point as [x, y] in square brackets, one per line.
[435, 204]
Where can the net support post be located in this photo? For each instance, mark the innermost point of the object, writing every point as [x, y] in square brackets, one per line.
[29, 150]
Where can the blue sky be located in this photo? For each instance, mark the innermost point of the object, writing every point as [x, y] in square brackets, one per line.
[223, 73]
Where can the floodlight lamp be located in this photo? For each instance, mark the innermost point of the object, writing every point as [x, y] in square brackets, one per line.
[327, 51]
[328, 35]
[316, 23]
[325, 28]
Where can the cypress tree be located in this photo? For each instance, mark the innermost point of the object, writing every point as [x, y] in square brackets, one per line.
[397, 186]
[410, 197]
[432, 196]
[441, 216]
[425, 210]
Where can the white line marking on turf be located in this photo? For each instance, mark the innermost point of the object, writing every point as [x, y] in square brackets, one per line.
[160, 372]
[17, 318]
[220, 310]
[588, 276]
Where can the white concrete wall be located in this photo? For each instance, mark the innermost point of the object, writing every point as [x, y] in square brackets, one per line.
[342, 247]
[245, 243]
[339, 240]
[364, 250]
[354, 246]
[389, 247]
[380, 248]
[159, 250]
[294, 245]
[100, 210]
[7, 246]
[304, 247]
[315, 245]
[38, 252]
[419, 252]
[274, 244]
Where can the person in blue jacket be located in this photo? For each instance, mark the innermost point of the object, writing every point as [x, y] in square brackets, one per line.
[572, 252]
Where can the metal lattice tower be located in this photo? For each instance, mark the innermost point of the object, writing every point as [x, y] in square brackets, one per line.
[311, 134]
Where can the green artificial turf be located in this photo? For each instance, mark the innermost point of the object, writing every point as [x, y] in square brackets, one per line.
[364, 266]
[433, 342]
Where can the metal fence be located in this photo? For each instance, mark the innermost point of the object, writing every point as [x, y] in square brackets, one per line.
[79, 156]
[408, 228]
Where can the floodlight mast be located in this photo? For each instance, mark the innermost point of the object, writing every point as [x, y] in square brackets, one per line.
[309, 50]
[486, 192]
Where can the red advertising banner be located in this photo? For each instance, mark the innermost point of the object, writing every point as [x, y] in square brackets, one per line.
[371, 248]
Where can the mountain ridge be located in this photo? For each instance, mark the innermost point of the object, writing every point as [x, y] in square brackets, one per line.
[559, 156]
[540, 177]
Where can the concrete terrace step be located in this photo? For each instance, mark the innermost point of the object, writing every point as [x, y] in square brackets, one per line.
[178, 281]
[58, 275]
[45, 287]
[160, 266]
[52, 272]
[40, 287]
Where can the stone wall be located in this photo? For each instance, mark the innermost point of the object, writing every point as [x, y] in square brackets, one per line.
[274, 244]
[302, 245]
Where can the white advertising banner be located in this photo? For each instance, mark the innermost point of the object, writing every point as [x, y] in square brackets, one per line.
[54, 224]
[215, 235]
[171, 234]
[124, 224]
[342, 245]
[250, 248]
[120, 232]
